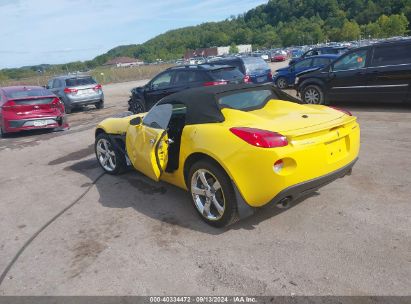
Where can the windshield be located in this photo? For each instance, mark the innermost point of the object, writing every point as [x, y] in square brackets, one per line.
[226, 73]
[247, 100]
[26, 92]
[254, 64]
[74, 82]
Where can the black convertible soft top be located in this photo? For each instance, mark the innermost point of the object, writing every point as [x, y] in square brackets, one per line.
[202, 105]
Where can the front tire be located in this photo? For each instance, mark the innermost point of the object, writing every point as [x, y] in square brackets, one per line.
[282, 83]
[313, 94]
[109, 155]
[213, 194]
[136, 106]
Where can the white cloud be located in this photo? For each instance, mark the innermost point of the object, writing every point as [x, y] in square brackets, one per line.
[40, 31]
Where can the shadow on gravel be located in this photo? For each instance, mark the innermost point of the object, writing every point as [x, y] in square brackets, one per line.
[161, 201]
[28, 133]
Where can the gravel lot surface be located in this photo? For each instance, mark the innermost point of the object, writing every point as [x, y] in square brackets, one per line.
[127, 235]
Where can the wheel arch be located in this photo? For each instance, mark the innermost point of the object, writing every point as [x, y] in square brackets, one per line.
[244, 210]
[119, 139]
[312, 81]
[195, 157]
[99, 131]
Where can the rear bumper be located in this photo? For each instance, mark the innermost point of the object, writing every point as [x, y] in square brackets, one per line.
[295, 191]
[29, 124]
[84, 100]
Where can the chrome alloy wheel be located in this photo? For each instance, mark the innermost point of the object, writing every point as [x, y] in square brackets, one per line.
[312, 96]
[106, 155]
[207, 194]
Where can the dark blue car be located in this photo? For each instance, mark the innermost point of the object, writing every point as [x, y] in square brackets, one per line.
[286, 76]
[255, 69]
[320, 51]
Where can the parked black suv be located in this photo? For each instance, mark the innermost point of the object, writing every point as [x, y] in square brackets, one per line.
[379, 72]
[179, 78]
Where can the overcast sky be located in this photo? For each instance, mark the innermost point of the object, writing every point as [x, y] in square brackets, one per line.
[59, 31]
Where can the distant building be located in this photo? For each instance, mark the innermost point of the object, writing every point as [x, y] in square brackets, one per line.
[124, 62]
[216, 51]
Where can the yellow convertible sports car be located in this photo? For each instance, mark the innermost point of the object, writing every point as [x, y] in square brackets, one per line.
[233, 147]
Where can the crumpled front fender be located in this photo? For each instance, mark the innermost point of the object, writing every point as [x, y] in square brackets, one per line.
[116, 125]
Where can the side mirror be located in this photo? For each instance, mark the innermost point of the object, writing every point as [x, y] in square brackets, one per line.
[292, 69]
[47, 87]
[136, 121]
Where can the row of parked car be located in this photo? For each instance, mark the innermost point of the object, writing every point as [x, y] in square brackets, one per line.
[377, 72]
[34, 107]
[229, 70]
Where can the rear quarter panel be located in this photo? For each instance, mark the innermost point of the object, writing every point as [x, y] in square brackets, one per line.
[251, 168]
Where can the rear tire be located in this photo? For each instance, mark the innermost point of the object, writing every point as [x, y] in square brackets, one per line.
[2, 133]
[212, 194]
[312, 94]
[109, 155]
[100, 105]
[282, 83]
[67, 109]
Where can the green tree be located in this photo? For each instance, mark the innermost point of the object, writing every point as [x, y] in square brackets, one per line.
[393, 25]
[233, 49]
[350, 31]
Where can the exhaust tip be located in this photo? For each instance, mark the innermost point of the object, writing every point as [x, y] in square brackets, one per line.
[284, 203]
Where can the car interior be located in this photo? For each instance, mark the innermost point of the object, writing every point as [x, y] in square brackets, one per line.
[175, 130]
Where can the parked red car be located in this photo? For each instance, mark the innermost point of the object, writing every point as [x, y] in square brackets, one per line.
[30, 107]
[278, 57]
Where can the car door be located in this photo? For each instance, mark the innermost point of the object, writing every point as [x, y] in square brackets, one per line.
[347, 79]
[299, 67]
[159, 87]
[147, 142]
[389, 74]
[319, 62]
[54, 86]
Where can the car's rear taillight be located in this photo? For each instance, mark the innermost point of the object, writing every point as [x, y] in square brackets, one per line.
[270, 76]
[97, 87]
[70, 91]
[247, 78]
[57, 104]
[213, 83]
[342, 110]
[260, 138]
[8, 105]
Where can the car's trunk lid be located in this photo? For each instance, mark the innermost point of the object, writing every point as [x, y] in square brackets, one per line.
[289, 119]
[37, 105]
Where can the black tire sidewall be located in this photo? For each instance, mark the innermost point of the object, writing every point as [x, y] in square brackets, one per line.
[318, 89]
[100, 105]
[230, 211]
[136, 106]
[67, 109]
[2, 133]
[121, 164]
